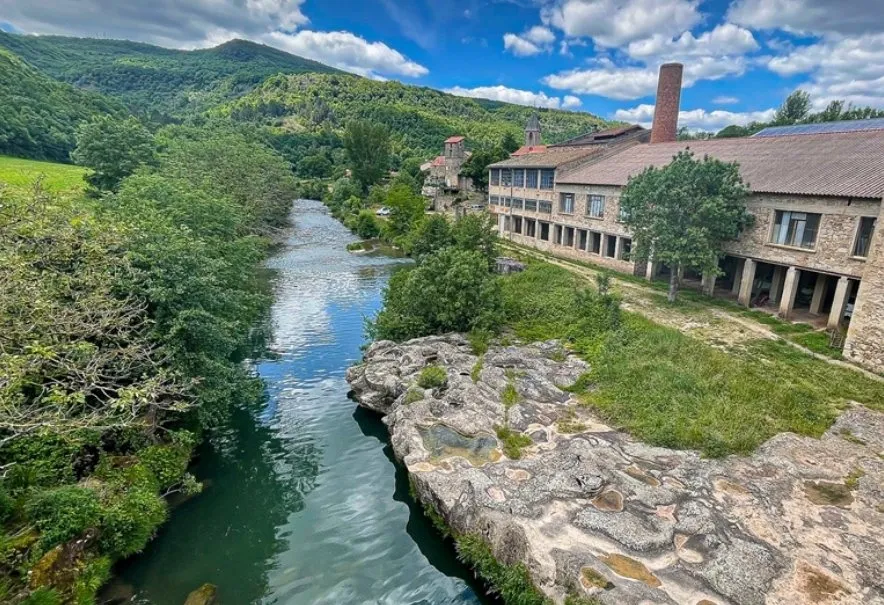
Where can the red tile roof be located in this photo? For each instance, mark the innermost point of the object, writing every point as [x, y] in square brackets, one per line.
[526, 149]
[439, 160]
[455, 139]
[846, 165]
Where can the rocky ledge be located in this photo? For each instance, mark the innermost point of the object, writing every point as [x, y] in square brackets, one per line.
[592, 512]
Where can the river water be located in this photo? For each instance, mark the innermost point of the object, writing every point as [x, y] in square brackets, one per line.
[303, 503]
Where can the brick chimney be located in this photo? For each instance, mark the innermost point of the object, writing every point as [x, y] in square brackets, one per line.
[665, 128]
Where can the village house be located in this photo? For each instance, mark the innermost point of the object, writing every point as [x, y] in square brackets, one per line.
[444, 182]
[813, 252]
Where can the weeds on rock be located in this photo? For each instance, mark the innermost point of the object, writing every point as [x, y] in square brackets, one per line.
[512, 582]
[432, 377]
[512, 441]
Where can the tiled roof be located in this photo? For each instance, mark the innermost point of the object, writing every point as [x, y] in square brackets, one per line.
[525, 150]
[439, 160]
[553, 157]
[849, 165]
[455, 139]
[603, 136]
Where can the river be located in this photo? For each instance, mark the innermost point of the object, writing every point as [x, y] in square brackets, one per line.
[303, 503]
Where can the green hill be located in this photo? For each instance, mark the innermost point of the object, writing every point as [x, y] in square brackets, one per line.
[419, 118]
[38, 115]
[155, 80]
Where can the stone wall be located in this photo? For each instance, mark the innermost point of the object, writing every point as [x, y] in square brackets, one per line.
[865, 338]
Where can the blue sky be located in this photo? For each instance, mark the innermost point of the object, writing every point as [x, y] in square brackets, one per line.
[742, 57]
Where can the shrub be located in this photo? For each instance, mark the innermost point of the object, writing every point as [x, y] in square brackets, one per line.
[64, 513]
[432, 377]
[367, 225]
[129, 521]
[479, 341]
[7, 505]
[512, 441]
[431, 234]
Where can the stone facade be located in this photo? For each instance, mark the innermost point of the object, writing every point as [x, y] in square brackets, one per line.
[865, 338]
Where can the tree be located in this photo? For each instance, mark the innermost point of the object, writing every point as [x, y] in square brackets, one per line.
[431, 235]
[509, 143]
[476, 167]
[367, 225]
[114, 149]
[315, 166]
[794, 109]
[681, 214]
[476, 233]
[406, 208]
[451, 290]
[368, 151]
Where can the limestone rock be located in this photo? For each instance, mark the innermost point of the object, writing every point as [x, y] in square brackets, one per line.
[598, 513]
[207, 594]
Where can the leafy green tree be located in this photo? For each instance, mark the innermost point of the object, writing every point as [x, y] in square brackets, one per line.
[682, 213]
[476, 233]
[315, 166]
[368, 151]
[794, 109]
[367, 225]
[451, 290]
[406, 208]
[476, 166]
[509, 143]
[344, 189]
[113, 149]
[431, 235]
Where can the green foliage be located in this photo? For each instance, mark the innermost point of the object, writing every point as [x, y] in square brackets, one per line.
[432, 377]
[476, 232]
[795, 108]
[429, 235]
[479, 341]
[113, 149]
[344, 189]
[510, 396]
[315, 166]
[476, 371]
[22, 174]
[43, 596]
[512, 582]
[413, 396]
[367, 226]
[63, 513]
[451, 290]
[509, 143]
[368, 151]
[684, 212]
[91, 578]
[512, 441]
[7, 505]
[38, 115]
[476, 166]
[129, 519]
[406, 209]
[312, 190]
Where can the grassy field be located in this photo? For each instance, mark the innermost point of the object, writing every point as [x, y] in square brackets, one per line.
[20, 173]
[670, 389]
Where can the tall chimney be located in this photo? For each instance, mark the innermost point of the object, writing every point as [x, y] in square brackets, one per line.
[665, 128]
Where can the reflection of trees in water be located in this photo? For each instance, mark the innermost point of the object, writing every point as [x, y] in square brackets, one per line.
[228, 535]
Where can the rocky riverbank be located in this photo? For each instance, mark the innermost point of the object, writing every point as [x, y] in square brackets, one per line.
[591, 512]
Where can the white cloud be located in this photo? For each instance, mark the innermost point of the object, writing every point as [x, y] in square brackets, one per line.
[626, 83]
[725, 39]
[725, 100]
[846, 17]
[849, 68]
[615, 23]
[514, 95]
[347, 51]
[695, 119]
[534, 41]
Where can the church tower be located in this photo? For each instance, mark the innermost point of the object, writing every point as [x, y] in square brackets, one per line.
[532, 131]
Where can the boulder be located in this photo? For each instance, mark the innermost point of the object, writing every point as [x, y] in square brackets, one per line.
[207, 594]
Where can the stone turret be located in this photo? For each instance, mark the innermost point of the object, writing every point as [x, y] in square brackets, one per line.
[532, 131]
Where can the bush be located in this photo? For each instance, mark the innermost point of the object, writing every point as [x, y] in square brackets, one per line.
[432, 377]
[129, 521]
[7, 505]
[367, 225]
[64, 513]
[450, 291]
[431, 234]
[168, 463]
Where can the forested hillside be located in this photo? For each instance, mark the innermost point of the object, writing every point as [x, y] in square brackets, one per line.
[38, 115]
[419, 118]
[159, 82]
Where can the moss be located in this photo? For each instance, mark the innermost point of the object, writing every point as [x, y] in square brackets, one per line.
[512, 441]
[511, 582]
[432, 377]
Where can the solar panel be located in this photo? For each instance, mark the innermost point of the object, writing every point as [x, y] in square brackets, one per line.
[823, 128]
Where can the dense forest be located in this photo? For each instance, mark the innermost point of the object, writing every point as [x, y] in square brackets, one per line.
[38, 115]
[154, 81]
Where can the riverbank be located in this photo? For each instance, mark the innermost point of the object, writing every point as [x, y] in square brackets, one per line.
[508, 457]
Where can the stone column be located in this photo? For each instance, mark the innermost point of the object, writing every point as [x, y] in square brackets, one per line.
[819, 293]
[738, 276]
[842, 290]
[709, 283]
[790, 289]
[617, 243]
[500, 223]
[776, 284]
[747, 278]
[536, 230]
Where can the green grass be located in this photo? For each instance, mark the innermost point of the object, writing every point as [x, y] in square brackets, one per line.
[476, 372]
[432, 377]
[512, 582]
[19, 174]
[512, 441]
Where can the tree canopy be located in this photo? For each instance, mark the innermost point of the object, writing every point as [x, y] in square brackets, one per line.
[681, 214]
[368, 151]
[113, 149]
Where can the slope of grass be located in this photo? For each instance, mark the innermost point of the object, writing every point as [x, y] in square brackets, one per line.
[19, 173]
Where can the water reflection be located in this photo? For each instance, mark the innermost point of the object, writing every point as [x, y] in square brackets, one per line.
[303, 502]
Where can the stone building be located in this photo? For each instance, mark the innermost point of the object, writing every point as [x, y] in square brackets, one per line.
[812, 253]
[444, 170]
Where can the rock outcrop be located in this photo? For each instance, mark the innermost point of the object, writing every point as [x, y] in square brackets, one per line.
[591, 511]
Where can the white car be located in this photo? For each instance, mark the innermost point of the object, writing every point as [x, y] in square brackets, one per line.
[383, 211]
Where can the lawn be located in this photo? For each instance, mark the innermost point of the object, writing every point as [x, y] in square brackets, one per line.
[20, 173]
[670, 389]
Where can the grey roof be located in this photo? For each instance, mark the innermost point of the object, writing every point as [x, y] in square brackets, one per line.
[844, 165]
[823, 128]
[550, 158]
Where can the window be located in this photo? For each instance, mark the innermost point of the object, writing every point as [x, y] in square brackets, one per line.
[625, 248]
[506, 177]
[595, 242]
[796, 229]
[531, 205]
[544, 207]
[494, 201]
[508, 202]
[622, 214]
[495, 176]
[544, 231]
[518, 178]
[531, 179]
[547, 177]
[566, 203]
[610, 246]
[595, 206]
[518, 203]
[864, 236]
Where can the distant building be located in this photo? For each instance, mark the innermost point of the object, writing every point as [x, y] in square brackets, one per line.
[814, 250]
[444, 170]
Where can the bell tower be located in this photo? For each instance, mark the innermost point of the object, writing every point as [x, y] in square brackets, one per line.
[532, 131]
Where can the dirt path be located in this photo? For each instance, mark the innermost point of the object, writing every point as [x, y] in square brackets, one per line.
[714, 326]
